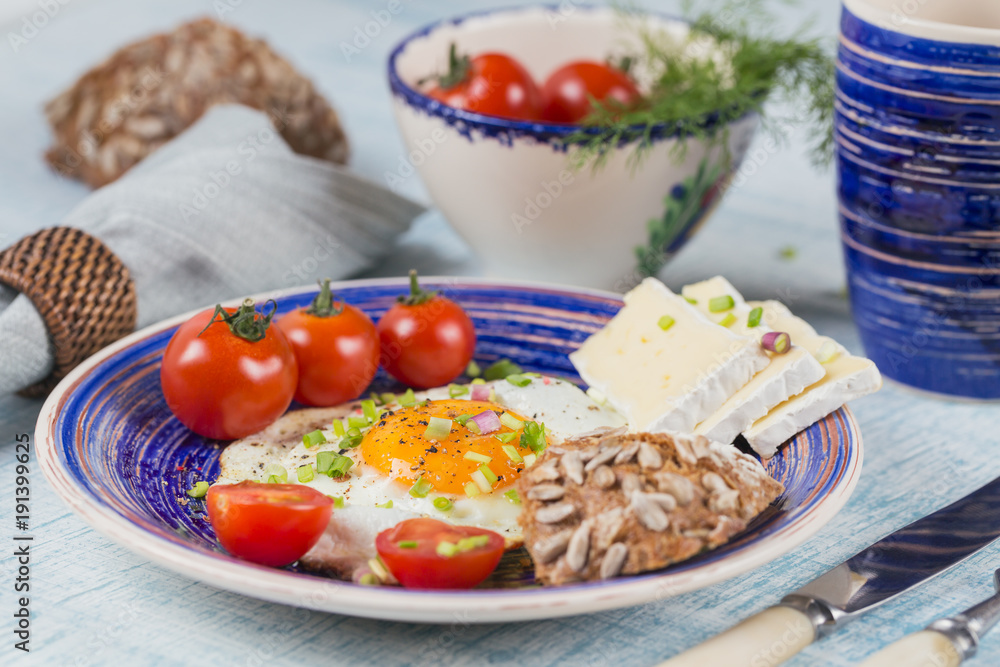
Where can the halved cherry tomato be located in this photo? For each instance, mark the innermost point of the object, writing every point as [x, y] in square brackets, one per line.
[427, 340]
[227, 373]
[270, 524]
[566, 93]
[413, 552]
[336, 347]
[491, 83]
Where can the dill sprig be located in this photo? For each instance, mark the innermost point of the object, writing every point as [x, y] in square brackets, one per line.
[728, 66]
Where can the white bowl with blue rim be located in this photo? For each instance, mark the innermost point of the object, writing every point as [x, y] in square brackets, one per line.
[507, 186]
[918, 144]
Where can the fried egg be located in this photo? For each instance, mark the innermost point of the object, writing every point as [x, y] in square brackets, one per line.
[395, 452]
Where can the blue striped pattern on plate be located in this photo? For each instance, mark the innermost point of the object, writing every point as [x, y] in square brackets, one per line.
[110, 447]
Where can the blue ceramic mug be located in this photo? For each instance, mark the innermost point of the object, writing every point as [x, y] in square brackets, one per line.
[918, 153]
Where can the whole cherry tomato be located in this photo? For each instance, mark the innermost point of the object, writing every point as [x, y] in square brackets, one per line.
[336, 347]
[427, 553]
[491, 83]
[228, 373]
[270, 524]
[566, 93]
[427, 340]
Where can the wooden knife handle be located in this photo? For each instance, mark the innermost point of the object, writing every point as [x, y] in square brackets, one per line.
[921, 649]
[765, 640]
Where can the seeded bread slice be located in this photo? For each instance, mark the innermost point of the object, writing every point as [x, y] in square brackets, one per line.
[152, 90]
[622, 503]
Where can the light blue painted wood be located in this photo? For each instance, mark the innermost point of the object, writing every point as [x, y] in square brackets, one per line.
[95, 603]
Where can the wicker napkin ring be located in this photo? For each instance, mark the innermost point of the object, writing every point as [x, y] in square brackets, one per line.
[81, 289]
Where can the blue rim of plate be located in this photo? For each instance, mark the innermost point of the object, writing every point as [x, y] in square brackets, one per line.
[110, 448]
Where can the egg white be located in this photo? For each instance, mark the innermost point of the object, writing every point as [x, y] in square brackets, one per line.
[565, 410]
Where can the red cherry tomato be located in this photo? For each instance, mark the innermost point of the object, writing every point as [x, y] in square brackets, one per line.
[426, 339]
[412, 552]
[336, 347]
[566, 93]
[270, 524]
[224, 386]
[492, 83]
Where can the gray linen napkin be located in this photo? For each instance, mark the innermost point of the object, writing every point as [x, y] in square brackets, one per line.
[223, 210]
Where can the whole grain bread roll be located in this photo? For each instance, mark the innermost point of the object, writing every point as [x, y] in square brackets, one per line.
[149, 91]
[623, 503]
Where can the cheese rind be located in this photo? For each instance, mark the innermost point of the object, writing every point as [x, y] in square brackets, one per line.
[666, 380]
[847, 377]
[785, 375]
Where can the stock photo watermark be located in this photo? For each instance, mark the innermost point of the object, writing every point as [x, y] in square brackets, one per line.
[32, 24]
[22, 541]
[365, 34]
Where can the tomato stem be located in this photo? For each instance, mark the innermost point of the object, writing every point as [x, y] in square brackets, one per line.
[245, 323]
[458, 70]
[324, 304]
[417, 294]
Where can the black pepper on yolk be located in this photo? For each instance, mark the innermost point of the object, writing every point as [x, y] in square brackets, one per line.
[396, 446]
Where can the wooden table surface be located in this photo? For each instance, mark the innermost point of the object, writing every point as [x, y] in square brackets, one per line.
[94, 602]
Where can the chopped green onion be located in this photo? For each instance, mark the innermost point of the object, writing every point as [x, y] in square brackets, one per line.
[388, 398]
[462, 419]
[446, 549]
[472, 489]
[693, 302]
[420, 488]
[305, 473]
[358, 422]
[478, 381]
[368, 579]
[788, 252]
[472, 542]
[437, 428]
[407, 544]
[512, 453]
[456, 390]
[408, 399]
[323, 462]
[529, 460]
[519, 380]
[378, 568]
[444, 504]
[313, 439]
[505, 437]
[827, 352]
[276, 471]
[533, 436]
[369, 411]
[480, 479]
[597, 396]
[513, 497]
[375, 398]
[387, 505]
[352, 438]
[473, 370]
[488, 474]
[338, 501]
[666, 322]
[198, 490]
[510, 421]
[338, 428]
[341, 464]
[473, 426]
[477, 457]
[501, 369]
[753, 319]
[727, 320]
[720, 303]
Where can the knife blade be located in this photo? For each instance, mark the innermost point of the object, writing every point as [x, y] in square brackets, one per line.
[891, 566]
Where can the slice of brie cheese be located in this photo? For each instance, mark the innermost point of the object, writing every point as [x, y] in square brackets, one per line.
[663, 364]
[847, 377]
[785, 376]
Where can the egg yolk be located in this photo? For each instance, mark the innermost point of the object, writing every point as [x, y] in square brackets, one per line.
[397, 446]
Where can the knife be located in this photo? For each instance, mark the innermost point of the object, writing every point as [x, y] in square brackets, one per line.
[880, 572]
[945, 642]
